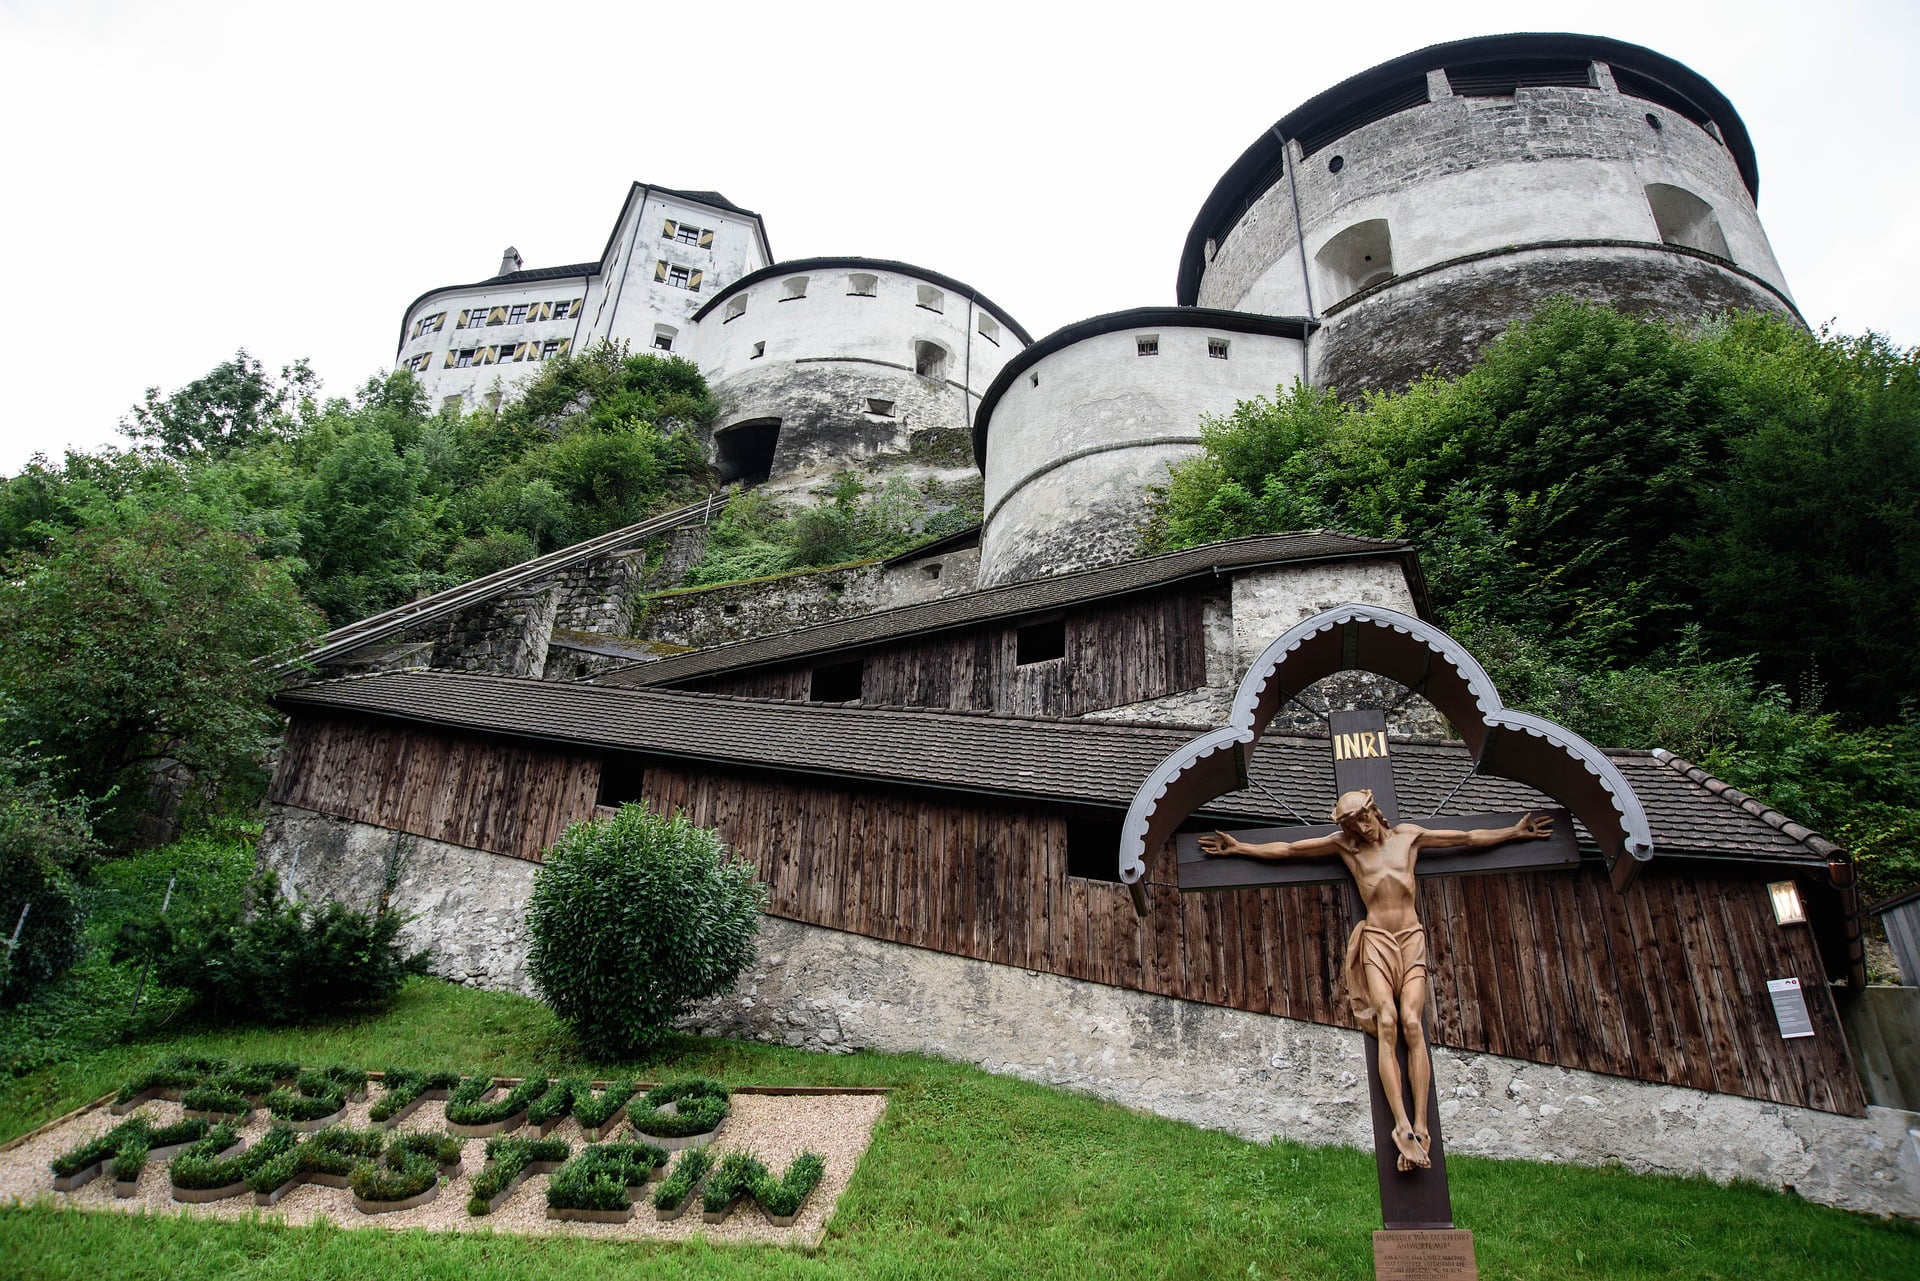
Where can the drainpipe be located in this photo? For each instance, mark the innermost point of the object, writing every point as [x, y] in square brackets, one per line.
[1300, 242]
[966, 382]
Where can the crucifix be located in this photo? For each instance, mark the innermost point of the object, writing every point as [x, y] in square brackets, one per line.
[1378, 856]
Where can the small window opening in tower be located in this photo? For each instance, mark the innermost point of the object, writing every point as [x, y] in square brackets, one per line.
[1336, 164]
[930, 298]
[1653, 122]
[989, 329]
[794, 287]
[1217, 348]
[930, 359]
[744, 451]
[931, 571]
[1040, 642]
[1358, 258]
[759, 350]
[1146, 345]
[1033, 380]
[880, 408]
[622, 778]
[1685, 219]
[837, 682]
[663, 336]
[862, 285]
[736, 308]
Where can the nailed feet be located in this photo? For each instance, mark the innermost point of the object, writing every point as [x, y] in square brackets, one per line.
[1413, 1148]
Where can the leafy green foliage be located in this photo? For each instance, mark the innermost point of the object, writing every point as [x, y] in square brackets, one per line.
[759, 535]
[783, 1196]
[136, 643]
[233, 405]
[46, 840]
[200, 1165]
[557, 1101]
[401, 1086]
[691, 1167]
[402, 1173]
[469, 1105]
[275, 961]
[1664, 528]
[594, 1110]
[699, 1106]
[96, 1150]
[634, 918]
[507, 1156]
[734, 1178]
[599, 1177]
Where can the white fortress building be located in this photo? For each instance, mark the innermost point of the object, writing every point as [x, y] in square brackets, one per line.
[1387, 227]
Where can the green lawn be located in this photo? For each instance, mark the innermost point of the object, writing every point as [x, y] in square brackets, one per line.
[969, 1176]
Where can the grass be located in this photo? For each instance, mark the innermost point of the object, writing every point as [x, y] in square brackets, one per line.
[970, 1176]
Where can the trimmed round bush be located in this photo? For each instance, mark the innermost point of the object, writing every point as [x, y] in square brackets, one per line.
[634, 918]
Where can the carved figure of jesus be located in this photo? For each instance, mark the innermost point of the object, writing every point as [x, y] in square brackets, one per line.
[1386, 962]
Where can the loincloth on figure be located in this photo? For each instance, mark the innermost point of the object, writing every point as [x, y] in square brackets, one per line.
[1396, 954]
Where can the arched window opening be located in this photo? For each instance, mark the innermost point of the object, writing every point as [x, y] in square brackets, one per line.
[862, 285]
[794, 287]
[930, 359]
[744, 451]
[930, 298]
[1358, 258]
[663, 336]
[1685, 219]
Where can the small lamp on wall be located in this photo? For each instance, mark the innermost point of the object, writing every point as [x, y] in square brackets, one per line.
[1788, 909]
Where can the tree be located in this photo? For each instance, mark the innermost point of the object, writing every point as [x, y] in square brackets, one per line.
[139, 641]
[634, 918]
[45, 840]
[231, 406]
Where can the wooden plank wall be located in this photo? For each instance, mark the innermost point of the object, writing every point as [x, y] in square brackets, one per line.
[974, 669]
[486, 794]
[1664, 983]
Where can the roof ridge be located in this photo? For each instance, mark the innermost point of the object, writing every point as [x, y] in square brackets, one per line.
[1742, 800]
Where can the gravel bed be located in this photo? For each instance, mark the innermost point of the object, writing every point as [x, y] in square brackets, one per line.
[776, 1128]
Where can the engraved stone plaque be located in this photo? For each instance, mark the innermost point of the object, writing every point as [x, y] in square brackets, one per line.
[1441, 1254]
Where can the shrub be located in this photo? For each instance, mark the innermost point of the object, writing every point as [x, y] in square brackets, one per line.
[507, 1156]
[401, 1086]
[175, 1072]
[403, 1174]
[592, 1110]
[686, 1174]
[699, 1105]
[44, 841]
[784, 1195]
[599, 1177]
[557, 1101]
[131, 1158]
[94, 1151]
[215, 1098]
[441, 1149]
[736, 1177]
[634, 918]
[282, 961]
[465, 1106]
[201, 1166]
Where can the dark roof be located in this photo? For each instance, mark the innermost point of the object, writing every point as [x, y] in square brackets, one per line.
[1359, 98]
[1014, 599]
[533, 274]
[1039, 761]
[713, 198]
[1239, 322]
[960, 542]
[948, 283]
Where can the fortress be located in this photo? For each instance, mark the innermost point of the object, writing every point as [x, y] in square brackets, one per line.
[929, 759]
[1389, 226]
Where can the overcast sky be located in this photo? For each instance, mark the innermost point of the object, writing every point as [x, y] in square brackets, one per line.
[187, 179]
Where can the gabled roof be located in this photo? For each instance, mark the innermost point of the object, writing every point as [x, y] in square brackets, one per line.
[1035, 596]
[1040, 761]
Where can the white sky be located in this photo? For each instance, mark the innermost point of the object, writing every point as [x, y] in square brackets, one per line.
[186, 179]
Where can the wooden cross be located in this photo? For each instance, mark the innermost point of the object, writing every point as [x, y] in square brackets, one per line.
[1362, 760]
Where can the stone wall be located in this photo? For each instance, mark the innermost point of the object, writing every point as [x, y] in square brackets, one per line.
[1250, 1074]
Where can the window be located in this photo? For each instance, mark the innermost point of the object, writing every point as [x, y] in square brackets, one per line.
[880, 408]
[1033, 380]
[862, 285]
[930, 572]
[930, 298]
[678, 277]
[473, 319]
[1217, 348]
[462, 359]
[1146, 345]
[1682, 218]
[506, 353]
[838, 683]
[1093, 846]
[989, 329]
[622, 776]
[736, 308]
[688, 234]
[1358, 258]
[552, 347]
[759, 350]
[793, 287]
[451, 405]
[1040, 642]
[429, 324]
[930, 359]
[420, 363]
[518, 315]
[563, 309]
[663, 336]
